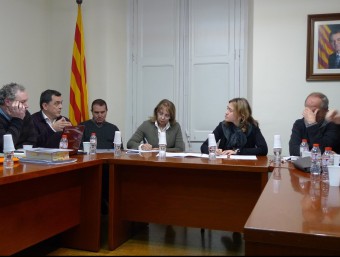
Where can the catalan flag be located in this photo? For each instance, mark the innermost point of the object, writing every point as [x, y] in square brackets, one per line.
[78, 110]
[324, 47]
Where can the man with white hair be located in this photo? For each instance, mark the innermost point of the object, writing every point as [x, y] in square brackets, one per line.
[15, 118]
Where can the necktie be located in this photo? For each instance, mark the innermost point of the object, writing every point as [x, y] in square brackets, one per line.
[337, 60]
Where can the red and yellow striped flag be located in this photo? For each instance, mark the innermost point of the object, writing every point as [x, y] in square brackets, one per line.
[324, 47]
[78, 110]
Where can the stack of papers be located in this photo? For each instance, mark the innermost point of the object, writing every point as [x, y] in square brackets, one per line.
[48, 154]
[71, 160]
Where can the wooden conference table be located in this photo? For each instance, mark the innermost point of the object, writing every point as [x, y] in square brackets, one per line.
[40, 201]
[192, 192]
[294, 217]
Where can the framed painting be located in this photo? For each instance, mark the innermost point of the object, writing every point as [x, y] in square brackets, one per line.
[323, 47]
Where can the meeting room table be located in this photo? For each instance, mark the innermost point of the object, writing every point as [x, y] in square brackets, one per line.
[39, 201]
[294, 216]
[189, 192]
[42, 201]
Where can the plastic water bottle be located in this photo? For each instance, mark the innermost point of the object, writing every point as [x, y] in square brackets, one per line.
[8, 159]
[212, 147]
[162, 151]
[303, 147]
[315, 168]
[325, 160]
[8, 150]
[63, 144]
[277, 149]
[277, 154]
[331, 157]
[117, 142]
[212, 152]
[162, 145]
[93, 143]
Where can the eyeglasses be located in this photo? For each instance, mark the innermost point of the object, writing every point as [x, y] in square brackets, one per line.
[165, 115]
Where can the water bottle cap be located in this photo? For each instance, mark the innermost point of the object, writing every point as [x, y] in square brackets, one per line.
[304, 140]
[315, 145]
[64, 136]
[328, 148]
[93, 133]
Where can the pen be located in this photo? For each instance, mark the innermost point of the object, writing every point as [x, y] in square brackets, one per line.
[146, 141]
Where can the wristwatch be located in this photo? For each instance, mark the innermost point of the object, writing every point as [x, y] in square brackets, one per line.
[237, 151]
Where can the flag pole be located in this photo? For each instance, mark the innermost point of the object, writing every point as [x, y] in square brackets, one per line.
[78, 110]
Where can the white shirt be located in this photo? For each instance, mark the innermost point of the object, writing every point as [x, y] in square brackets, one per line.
[48, 121]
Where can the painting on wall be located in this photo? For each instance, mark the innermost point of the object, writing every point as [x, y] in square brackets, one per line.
[323, 47]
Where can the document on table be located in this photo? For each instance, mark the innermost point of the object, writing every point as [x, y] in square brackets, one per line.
[202, 155]
[243, 157]
[187, 155]
[237, 157]
[140, 151]
[71, 160]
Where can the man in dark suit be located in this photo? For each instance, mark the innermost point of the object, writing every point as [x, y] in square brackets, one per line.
[334, 58]
[48, 122]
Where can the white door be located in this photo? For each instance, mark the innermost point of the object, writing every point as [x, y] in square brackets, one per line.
[190, 52]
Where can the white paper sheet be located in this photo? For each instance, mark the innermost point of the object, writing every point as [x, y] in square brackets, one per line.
[200, 155]
[140, 151]
[243, 157]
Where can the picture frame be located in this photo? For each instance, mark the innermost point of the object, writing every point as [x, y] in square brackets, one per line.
[320, 50]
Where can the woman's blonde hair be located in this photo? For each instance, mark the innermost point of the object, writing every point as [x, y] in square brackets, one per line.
[243, 110]
[167, 105]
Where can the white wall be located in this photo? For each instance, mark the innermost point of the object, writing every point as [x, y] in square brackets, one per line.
[105, 31]
[37, 42]
[23, 45]
[280, 88]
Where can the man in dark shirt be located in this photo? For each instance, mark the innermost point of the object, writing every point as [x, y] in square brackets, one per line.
[105, 133]
[48, 122]
[314, 127]
[15, 118]
[104, 130]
